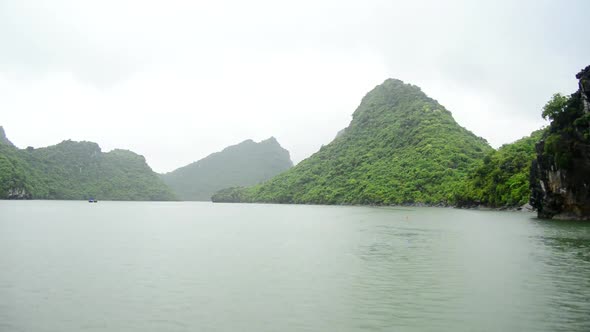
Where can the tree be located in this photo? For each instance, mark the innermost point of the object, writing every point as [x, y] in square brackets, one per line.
[555, 106]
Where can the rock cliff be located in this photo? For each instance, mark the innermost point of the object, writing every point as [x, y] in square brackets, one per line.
[18, 193]
[560, 175]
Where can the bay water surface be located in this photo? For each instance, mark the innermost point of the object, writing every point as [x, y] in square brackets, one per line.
[185, 266]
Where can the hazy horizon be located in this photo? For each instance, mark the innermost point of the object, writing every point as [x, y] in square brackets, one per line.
[178, 81]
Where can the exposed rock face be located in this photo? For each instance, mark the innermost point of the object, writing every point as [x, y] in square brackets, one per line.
[560, 176]
[18, 193]
[561, 193]
[584, 84]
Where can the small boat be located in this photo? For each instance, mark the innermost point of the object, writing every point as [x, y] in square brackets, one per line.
[92, 200]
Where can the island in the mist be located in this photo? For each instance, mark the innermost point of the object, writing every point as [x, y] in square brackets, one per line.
[76, 171]
[403, 147]
[244, 164]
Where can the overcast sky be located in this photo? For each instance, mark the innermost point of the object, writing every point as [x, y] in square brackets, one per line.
[178, 80]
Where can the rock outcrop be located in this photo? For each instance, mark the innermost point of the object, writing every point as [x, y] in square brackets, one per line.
[560, 176]
[18, 193]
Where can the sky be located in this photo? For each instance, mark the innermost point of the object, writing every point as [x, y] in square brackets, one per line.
[177, 80]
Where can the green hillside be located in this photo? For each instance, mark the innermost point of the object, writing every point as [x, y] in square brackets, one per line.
[77, 170]
[400, 147]
[244, 164]
[502, 179]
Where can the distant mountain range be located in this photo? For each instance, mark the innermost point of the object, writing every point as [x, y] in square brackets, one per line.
[401, 147]
[80, 170]
[244, 164]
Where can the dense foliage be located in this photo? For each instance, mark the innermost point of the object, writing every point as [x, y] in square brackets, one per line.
[555, 107]
[569, 128]
[400, 147]
[502, 179]
[77, 170]
[244, 164]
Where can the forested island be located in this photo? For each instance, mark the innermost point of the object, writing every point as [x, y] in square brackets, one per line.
[77, 171]
[80, 170]
[401, 148]
[404, 148]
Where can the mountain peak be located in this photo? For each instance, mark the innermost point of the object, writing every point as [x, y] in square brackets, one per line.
[392, 94]
[271, 140]
[243, 164]
[393, 81]
[400, 147]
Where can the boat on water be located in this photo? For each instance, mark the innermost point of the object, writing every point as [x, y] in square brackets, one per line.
[92, 200]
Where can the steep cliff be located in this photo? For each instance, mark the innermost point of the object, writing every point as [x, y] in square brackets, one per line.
[560, 175]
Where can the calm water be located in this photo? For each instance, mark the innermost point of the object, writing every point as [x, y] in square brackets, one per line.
[120, 266]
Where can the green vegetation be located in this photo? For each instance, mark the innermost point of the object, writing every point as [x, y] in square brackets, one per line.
[77, 170]
[568, 129]
[555, 107]
[502, 179]
[244, 164]
[401, 147]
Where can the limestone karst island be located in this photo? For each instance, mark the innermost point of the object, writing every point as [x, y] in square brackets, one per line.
[401, 148]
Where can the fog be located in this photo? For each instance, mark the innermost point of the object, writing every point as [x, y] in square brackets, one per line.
[175, 80]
